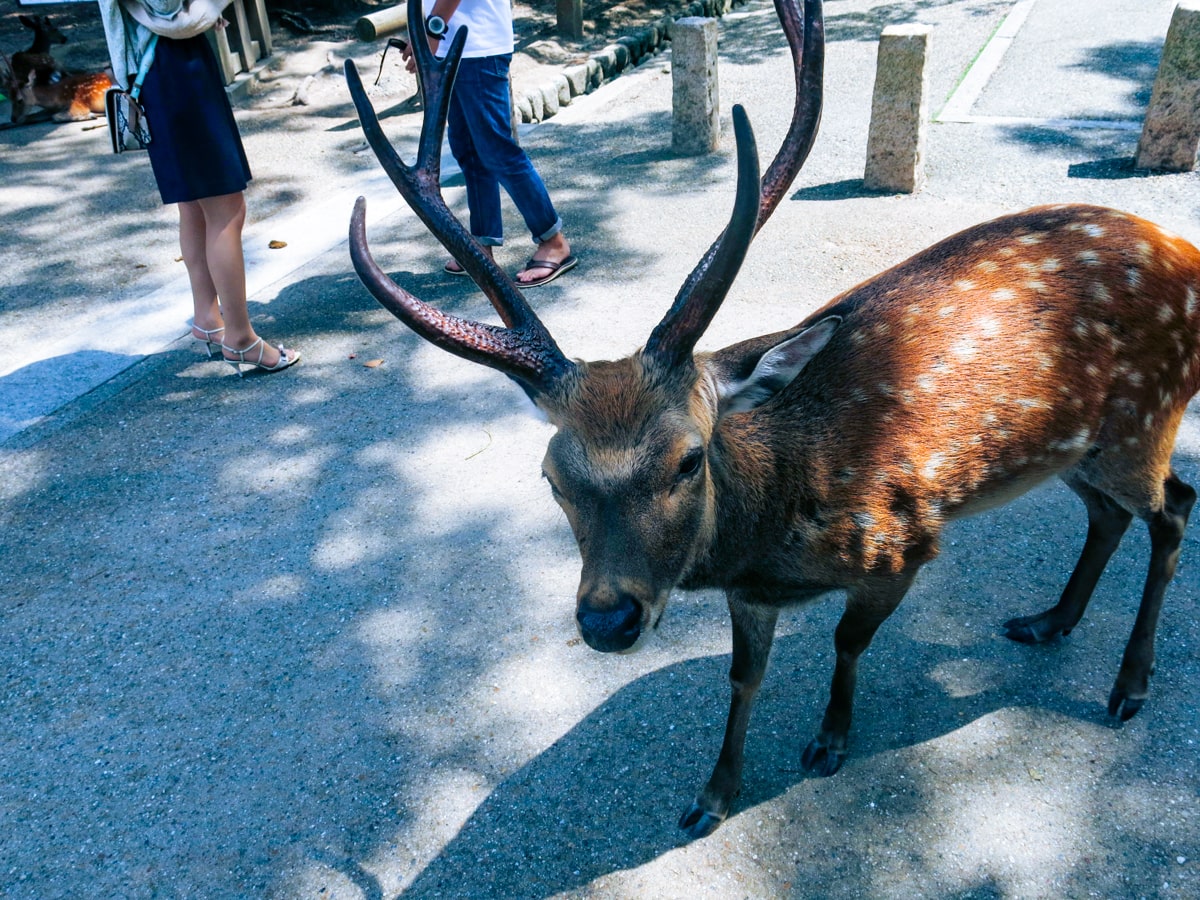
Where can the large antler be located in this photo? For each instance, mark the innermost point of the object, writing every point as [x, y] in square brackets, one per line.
[523, 349]
[673, 340]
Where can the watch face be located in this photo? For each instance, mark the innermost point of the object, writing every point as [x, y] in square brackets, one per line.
[435, 25]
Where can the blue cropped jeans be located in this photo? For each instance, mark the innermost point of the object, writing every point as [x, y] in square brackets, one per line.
[479, 126]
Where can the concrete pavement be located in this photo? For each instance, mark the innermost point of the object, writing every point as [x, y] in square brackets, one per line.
[310, 635]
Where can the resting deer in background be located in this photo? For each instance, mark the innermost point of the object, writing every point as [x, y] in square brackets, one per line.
[830, 456]
[38, 56]
[68, 98]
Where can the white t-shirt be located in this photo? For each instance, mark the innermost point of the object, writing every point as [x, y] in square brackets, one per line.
[489, 28]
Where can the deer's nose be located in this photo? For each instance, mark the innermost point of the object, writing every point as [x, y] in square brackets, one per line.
[613, 627]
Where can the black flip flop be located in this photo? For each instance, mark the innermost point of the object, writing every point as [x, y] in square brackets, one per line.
[556, 269]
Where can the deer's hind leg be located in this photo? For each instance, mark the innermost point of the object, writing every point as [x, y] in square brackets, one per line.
[1107, 523]
[1166, 524]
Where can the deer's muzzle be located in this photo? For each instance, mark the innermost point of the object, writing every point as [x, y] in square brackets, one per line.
[613, 627]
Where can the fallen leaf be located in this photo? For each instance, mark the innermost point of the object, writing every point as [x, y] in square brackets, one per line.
[372, 363]
[277, 245]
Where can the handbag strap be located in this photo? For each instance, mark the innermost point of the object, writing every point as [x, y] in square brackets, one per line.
[147, 60]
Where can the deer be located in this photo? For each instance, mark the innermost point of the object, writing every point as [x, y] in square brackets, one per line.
[69, 98]
[38, 56]
[829, 457]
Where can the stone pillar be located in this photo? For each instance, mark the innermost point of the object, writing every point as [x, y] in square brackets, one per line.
[570, 19]
[899, 112]
[1171, 132]
[695, 123]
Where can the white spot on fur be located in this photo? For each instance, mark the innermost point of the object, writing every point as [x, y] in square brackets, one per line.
[1133, 277]
[1032, 403]
[988, 327]
[1100, 291]
[987, 265]
[929, 470]
[1088, 258]
[965, 349]
[1189, 301]
[1164, 313]
[886, 389]
[1092, 370]
[965, 284]
[1145, 251]
[1136, 379]
[1132, 441]
[857, 338]
[1094, 230]
[1051, 264]
[946, 311]
[1004, 295]
[1029, 239]
[925, 383]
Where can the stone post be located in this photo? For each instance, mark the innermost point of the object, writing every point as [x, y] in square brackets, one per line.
[899, 112]
[695, 123]
[570, 19]
[1171, 131]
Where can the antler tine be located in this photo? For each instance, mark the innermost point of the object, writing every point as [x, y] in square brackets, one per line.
[525, 348]
[419, 184]
[528, 354]
[673, 339]
[705, 288]
[807, 42]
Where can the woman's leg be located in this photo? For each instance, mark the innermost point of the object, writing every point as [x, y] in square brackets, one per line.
[217, 269]
[206, 310]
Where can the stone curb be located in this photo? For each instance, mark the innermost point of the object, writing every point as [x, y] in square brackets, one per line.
[536, 104]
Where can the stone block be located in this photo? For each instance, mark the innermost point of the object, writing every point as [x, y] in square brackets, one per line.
[536, 106]
[899, 112]
[564, 89]
[695, 105]
[549, 99]
[577, 79]
[595, 74]
[1171, 131]
[524, 108]
[607, 58]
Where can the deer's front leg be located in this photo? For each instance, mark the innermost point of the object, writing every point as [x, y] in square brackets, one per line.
[753, 632]
[866, 608]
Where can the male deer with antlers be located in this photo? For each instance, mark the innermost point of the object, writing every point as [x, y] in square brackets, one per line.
[1061, 340]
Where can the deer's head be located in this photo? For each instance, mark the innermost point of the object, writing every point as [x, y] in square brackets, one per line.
[630, 462]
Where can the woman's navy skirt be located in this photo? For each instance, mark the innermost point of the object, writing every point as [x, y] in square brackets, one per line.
[195, 148]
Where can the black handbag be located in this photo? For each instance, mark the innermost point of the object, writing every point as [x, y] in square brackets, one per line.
[127, 125]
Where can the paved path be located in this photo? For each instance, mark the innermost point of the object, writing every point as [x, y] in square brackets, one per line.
[310, 635]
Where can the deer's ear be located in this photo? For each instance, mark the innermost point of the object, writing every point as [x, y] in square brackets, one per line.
[775, 369]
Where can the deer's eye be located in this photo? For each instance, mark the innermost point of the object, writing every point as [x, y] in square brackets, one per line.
[690, 464]
[553, 487]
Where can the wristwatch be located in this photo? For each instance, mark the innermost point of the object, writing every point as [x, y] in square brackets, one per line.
[435, 27]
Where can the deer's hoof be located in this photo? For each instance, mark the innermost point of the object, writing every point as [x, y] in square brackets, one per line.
[1033, 629]
[697, 822]
[1122, 706]
[822, 759]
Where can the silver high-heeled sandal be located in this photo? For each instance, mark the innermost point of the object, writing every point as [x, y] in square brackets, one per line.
[286, 358]
[209, 341]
